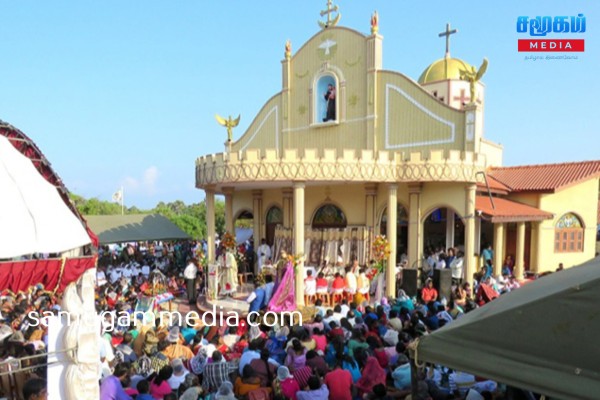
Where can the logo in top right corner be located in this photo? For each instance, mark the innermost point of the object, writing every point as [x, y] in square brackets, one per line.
[542, 26]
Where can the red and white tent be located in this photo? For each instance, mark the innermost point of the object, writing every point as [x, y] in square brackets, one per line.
[36, 216]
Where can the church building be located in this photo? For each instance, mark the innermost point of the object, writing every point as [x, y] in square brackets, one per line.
[346, 147]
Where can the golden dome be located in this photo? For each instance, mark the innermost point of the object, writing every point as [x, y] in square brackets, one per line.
[443, 69]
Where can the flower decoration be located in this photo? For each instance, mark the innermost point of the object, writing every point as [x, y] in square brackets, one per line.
[381, 252]
[240, 258]
[295, 259]
[201, 257]
[228, 241]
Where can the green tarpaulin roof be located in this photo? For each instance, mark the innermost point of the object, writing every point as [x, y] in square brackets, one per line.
[541, 337]
[133, 228]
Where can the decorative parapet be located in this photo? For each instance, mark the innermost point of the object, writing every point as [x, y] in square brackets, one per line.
[331, 165]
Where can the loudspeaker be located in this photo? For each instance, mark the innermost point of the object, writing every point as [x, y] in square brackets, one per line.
[442, 281]
[409, 282]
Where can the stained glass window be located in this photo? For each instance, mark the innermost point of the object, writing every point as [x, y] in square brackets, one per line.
[569, 220]
[568, 235]
[329, 216]
[275, 216]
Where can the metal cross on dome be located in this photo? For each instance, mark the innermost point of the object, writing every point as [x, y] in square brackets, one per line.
[447, 33]
[330, 9]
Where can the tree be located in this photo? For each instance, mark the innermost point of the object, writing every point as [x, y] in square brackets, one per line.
[189, 218]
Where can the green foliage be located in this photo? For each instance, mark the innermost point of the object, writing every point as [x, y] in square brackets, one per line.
[244, 223]
[189, 218]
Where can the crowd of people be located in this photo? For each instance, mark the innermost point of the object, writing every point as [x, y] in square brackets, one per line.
[353, 346]
[24, 341]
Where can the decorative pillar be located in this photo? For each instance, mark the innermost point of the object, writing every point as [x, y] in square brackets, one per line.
[210, 224]
[392, 228]
[299, 239]
[229, 222]
[415, 239]
[498, 248]
[469, 260]
[286, 86]
[371, 206]
[449, 228]
[520, 256]
[287, 194]
[257, 216]
[537, 245]
[374, 63]
[478, 240]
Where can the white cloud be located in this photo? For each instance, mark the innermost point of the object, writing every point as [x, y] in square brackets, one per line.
[146, 184]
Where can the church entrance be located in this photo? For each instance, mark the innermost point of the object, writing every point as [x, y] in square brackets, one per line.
[274, 218]
[443, 228]
[243, 225]
[511, 243]
[244, 220]
[401, 231]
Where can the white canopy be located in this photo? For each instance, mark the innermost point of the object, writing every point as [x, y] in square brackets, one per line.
[33, 216]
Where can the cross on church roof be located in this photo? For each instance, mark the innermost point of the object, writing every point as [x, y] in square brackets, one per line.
[447, 33]
[330, 9]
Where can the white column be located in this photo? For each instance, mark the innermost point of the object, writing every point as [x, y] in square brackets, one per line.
[210, 224]
[287, 194]
[257, 215]
[537, 245]
[299, 239]
[371, 206]
[470, 232]
[415, 231]
[392, 229]
[498, 248]
[520, 256]
[478, 239]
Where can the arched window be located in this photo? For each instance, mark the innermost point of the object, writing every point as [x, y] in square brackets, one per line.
[568, 234]
[326, 99]
[274, 218]
[329, 216]
[274, 215]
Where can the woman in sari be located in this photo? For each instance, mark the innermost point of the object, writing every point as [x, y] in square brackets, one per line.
[372, 374]
[284, 297]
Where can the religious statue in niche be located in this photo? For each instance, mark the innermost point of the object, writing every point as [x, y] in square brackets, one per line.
[330, 98]
[327, 96]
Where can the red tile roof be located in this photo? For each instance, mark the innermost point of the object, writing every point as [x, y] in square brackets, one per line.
[545, 177]
[494, 185]
[505, 210]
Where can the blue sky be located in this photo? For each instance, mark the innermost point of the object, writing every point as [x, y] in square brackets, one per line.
[122, 93]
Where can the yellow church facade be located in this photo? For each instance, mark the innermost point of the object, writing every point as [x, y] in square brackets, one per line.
[347, 146]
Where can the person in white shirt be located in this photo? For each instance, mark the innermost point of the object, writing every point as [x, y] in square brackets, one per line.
[115, 274]
[100, 277]
[127, 272]
[351, 283]
[158, 249]
[135, 270]
[189, 273]
[310, 286]
[264, 254]
[146, 270]
[345, 308]
[456, 266]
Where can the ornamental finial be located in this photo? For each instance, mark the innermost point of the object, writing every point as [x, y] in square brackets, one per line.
[374, 23]
[288, 49]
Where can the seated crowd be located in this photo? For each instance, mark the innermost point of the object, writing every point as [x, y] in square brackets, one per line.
[347, 349]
